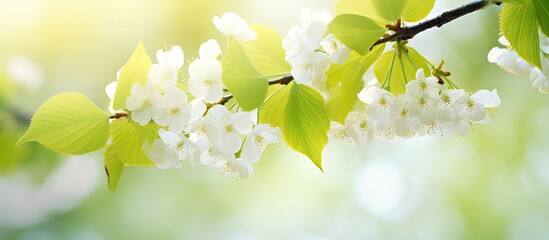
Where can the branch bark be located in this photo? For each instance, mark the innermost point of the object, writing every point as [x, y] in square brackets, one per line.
[409, 32]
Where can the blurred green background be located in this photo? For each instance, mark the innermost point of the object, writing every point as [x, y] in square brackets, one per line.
[491, 184]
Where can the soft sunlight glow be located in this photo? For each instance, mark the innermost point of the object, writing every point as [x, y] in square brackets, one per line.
[24, 203]
[380, 187]
[25, 72]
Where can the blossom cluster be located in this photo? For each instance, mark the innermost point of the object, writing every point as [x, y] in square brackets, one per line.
[511, 62]
[426, 108]
[198, 130]
[310, 52]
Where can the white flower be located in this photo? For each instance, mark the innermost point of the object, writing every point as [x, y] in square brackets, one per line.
[198, 108]
[310, 69]
[175, 112]
[209, 50]
[341, 132]
[543, 42]
[423, 86]
[163, 155]
[257, 140]
[183, 148]
[357, 130]
[380, 104]
[539, 78]
[238, 168]
[166, 72]
[509, 60]
[143, 102]
[224, 128]
[205, 73]
[335, 49]
[232, 25]
[212, 155]
[205, 80]
[303, 38]
[480, 103]
[110, 89]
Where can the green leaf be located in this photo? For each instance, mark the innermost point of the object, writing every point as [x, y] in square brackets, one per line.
[353, 84]
[265, 53]
[69, 123]
[356, 32]
[519, 25]
[113, 167]
[358, 7]
[336, 106]
[390, 10]
[135, 70]
[514, 1]
[337, 72]
[399, 70]
[350, 75]
[126, 149]
[416, 10]
[248, 86]
[128, 138]
[304, 120]
[542, 10]
[273, 111]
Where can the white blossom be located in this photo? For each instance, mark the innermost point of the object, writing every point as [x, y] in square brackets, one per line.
[310, 68]
[232, 25]
[423, 86]
[238, 168]
[143, 102]
[511, 62]
[205, 73]
[257, 140]
[181, 146]
[166, 72]
[224, 128]
[162, 155]
[174, 112]
[209, 50]
[335, 49]
[356, 130]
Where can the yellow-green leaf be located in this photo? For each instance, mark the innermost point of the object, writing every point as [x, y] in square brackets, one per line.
[128, 138]
[397, 71]
[542, 11]
[266, 53]
[248, 86]
[514, 1]
[135, 70]
[353, 83]
[359, 7]
[306, 122]
[390, 10]
[69, 123]
[416, 10]
[356, 32]
[273, 111]
[350, 73]
[519, 25]
[301, 114]
[113, 167]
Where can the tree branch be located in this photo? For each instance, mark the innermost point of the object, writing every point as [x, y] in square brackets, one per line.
[405, 33]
